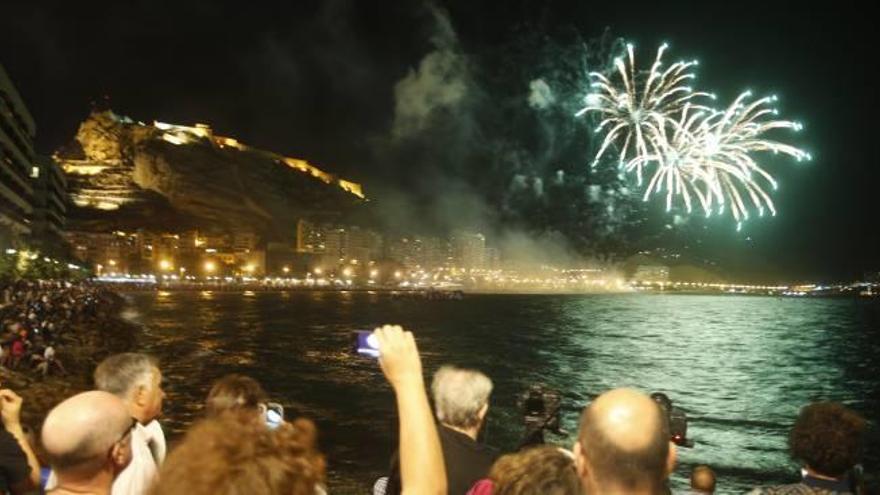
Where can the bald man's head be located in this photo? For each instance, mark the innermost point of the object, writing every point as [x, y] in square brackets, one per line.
[624, 438]
[85, 432]
[703, 479]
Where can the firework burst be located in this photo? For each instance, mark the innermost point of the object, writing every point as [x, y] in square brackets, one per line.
[698, 155]
[725, 146]
[637, 113]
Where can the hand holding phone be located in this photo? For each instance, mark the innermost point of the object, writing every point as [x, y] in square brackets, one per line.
[400, 359]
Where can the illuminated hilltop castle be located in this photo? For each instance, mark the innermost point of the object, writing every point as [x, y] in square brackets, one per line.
[118, 158]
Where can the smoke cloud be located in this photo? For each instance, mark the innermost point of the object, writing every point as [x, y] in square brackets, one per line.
[484, 139]
[440, 83]
[540, 94]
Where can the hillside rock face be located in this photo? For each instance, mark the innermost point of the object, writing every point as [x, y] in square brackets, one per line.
[126, 174]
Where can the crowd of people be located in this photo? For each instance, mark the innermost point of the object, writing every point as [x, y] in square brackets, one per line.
[37, 316]
[108, 441]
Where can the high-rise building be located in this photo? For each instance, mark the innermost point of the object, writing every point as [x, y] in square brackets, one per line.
[437, 252]
[493, 258]
[50, 205]
[406, 251]
[362, 245]
[469, 249]
[424, 252]
[17, 132]
[244, 240]
[309, 237]
[335, 241]
[338, 243]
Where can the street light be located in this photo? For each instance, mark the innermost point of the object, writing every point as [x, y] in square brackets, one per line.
[164, 265]
[373, 273]
[318, 271]
[210, 266]
[347, 272]
[286, 269]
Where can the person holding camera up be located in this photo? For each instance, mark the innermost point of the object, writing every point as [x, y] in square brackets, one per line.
[461, 402]
[234, 392]
[422, 469]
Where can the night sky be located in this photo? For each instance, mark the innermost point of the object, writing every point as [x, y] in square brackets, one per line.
[316, 79]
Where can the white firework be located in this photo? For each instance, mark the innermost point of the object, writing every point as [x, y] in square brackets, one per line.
[677, 169]
[725, 147]
[697, 154]
[637, 113]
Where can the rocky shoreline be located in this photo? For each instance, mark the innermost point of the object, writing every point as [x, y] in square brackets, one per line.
[80, 350]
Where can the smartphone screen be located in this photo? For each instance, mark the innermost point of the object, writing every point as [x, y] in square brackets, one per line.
[365, 343]
[274, 415]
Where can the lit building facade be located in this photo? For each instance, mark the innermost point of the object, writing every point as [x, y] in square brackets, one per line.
[50, 205]
[191, 253]
[110, 252]
[17, 132]
[416, 251]
[338, 243]
[309, 238]
[651, 273]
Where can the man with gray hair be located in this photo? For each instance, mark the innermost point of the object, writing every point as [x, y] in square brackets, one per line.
[136, 380]
[87, 439]
[461, 402]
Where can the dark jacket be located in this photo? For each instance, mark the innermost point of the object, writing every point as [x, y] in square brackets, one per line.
[13, 462]
[466, 462]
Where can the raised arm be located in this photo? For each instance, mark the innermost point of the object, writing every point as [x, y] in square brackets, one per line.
[422, 470]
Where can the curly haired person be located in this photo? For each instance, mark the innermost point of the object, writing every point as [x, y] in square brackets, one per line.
[827, 439]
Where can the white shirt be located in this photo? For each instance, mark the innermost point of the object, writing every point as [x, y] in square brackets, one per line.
[156, 441]
[147, 453]
[142, 471]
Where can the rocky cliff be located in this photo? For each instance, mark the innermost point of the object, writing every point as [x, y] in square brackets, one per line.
[127, 174]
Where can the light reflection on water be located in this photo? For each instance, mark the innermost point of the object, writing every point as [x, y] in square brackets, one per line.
[740, 366]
